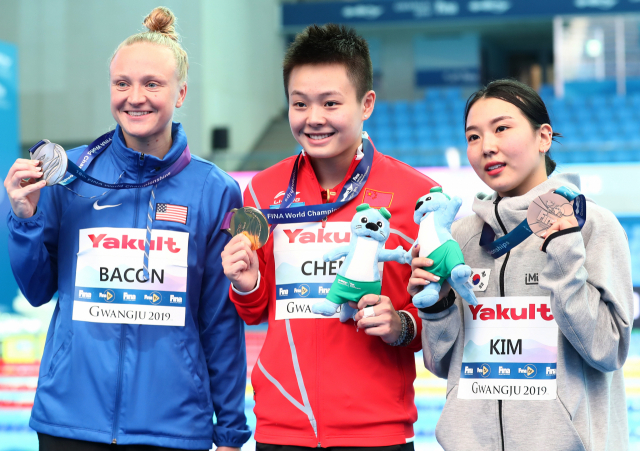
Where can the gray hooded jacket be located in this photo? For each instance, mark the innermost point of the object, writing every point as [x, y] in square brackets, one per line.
[587, 275]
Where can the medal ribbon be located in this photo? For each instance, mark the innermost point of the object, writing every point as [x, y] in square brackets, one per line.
[96, 148]
[310, 213]
[92, 151]
[504, 244]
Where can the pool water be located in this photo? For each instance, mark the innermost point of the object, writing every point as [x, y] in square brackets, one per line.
[18, 383]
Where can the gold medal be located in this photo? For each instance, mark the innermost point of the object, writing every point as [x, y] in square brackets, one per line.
[250, 222]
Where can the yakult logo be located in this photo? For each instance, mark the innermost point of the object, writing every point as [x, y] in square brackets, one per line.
[124, 242]
[316, 237]
[531, 312]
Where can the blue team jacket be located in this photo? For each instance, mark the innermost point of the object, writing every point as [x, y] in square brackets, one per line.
[136, 383]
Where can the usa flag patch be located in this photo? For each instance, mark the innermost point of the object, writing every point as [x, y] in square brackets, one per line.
[170, 212]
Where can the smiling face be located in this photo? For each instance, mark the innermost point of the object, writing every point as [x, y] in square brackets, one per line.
[145, 90]
[324, 112]
[504, 149]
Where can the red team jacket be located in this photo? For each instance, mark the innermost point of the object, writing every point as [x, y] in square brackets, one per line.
[320, 382]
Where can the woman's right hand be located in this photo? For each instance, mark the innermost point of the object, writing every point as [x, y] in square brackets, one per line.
[23, 186]
[419, 277]
[240, 263]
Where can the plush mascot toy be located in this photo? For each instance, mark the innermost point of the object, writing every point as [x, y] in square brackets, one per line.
[359, 274]
[435, 213]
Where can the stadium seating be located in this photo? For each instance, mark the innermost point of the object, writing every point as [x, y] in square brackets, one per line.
[597, 126]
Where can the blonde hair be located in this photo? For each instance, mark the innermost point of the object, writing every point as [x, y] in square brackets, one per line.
[162, 31]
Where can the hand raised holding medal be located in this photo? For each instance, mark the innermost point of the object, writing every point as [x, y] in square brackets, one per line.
[23, 184]
[549, 213]
[250, 231]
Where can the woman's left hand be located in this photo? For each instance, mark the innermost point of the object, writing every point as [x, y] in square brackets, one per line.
[386, 322]
[565, 222]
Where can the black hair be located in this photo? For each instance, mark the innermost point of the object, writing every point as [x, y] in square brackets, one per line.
[329, 44]
[522, 96]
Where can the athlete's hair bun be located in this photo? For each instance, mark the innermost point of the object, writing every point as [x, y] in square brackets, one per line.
[162, 20]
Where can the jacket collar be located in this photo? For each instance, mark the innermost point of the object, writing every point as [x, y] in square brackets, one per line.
[305, 166]
[513, 210]
[132, 160]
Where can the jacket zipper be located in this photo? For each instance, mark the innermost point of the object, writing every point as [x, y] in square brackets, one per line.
[506, 259]
[502, 271]
[122, 326]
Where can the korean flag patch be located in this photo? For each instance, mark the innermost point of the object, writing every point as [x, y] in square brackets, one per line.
[479, 279]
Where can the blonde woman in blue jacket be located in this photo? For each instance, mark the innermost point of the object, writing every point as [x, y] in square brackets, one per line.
[143, 346]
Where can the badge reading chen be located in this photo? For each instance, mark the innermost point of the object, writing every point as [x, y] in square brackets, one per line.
[545, 210]
[250, 222]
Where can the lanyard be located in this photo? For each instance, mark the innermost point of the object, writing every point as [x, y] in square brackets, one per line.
[311, 213]
[96, 148]
[504, 244]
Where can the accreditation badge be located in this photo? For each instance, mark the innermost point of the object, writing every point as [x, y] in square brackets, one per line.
[510, 349]
[110, 285]
[302, 276]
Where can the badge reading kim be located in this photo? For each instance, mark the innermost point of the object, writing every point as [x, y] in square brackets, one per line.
[250, 222]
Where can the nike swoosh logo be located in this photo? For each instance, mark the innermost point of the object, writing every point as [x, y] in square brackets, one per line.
[100, 207]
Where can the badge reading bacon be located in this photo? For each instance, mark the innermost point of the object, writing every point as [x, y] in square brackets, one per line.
[250, 222]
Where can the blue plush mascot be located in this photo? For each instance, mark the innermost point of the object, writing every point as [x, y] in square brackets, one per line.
[359, 274]
[435, 213]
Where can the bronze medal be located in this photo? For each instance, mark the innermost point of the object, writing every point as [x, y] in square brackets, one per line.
[545, 210]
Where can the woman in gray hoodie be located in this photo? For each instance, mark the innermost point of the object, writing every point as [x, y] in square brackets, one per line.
[537, 364]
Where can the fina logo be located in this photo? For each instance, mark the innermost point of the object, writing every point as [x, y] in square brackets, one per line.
[107, 295]
[600, 4]
[155, 297]
[369, 12]
[303, 291]
[530, 371]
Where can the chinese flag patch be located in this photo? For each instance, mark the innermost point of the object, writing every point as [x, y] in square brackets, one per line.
[173, 213]
[377, 199]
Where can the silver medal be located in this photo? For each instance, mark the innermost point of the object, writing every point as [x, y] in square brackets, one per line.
[54, 161]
